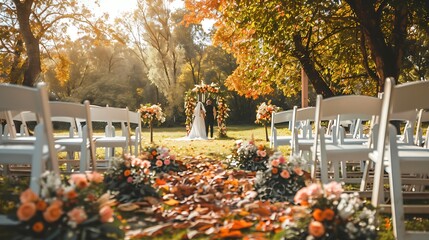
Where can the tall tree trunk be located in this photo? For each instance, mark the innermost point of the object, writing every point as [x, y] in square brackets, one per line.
[33, 70]
[303, 55]
[387, 57]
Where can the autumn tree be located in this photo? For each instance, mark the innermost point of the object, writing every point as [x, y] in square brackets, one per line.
[39, 23]
[273, 39]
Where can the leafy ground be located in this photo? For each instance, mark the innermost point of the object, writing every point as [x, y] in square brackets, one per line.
[206, 201]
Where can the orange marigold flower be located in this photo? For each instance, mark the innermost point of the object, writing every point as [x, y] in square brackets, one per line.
[316, 229]
[53, 213]
[154, 152]
[38, 227]
[127, 173]
[328, 214]
[274, 170]
[26, 211]
[318, 215]
[41, 205]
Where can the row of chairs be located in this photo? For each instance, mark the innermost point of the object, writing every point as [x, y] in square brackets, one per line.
[380, 149]
[40, 150]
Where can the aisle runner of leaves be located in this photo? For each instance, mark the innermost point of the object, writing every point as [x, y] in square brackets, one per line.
[206, 200]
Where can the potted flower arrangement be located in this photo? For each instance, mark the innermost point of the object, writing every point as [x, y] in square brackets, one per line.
[222, 115]
[130, 179]
[160, 159]
[76, 209]
[264, 113]
[283, 178]
[247, 156]
[151, 114]
[328, 213]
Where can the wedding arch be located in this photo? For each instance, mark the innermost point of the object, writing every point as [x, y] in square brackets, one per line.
[202, 92]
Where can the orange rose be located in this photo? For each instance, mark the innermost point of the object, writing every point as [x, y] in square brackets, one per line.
[71, 194]
[53, 213]
[328, 214]
[80, 180]
[127, 173]
[26, 211]
[316, 229]
[106, 214]
[41, 205]
[318, 215]
[38, 227]
[285, 174]
[154, 153]
[261, 147]
[298, 171]
[77, 215]
[28, 196]
[274, 170]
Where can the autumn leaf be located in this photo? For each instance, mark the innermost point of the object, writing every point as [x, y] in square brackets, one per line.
[171, 202]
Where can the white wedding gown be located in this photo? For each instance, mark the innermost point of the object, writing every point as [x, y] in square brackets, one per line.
[198, 129]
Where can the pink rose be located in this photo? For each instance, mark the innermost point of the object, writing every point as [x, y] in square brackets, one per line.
[314, 190]
[158, 163]
[95, 177]
[129, 179]
[80, 180]
[77, 215]
[173, 157]
[301, 196]
[261, 153]
[285, 174]
[146, 171]
[275, 163]
[167, 161]
[298, 171]
[145, 164]
[333, 188]
[106, 214]
[282, 159]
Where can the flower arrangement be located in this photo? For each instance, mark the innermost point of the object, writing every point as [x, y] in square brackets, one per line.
[328, 213]
[264, 113]
[76, 209]
[222, 115]
[247, 156]
[205, 88]
[283, 178]
[160, 159]
[152, 114]
[130, 179]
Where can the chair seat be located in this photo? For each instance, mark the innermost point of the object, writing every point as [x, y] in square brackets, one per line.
[283, 140]
[413, 159]
[13, 153]
[111, 141]
[342, 152]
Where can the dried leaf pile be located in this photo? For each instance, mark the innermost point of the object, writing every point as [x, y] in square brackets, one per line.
[206, 201]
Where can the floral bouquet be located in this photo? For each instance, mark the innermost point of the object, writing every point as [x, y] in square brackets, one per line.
[152, 114]
[248, 156]
[160, 159]
[73, 210]
[130, 179]
[264, 113]
[205, 88]
[283, 178]
[328, 213]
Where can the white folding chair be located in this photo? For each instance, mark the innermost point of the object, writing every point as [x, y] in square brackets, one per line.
[67, 112]
[338, 151]
[399, 159]
[136, 136]
[302, 132]
[277, 118]
[37, 153]
[109, 116]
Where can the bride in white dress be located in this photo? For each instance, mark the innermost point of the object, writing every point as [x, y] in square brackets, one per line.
[198, 129]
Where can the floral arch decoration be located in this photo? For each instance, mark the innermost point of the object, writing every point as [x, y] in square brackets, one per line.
[201, 93]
